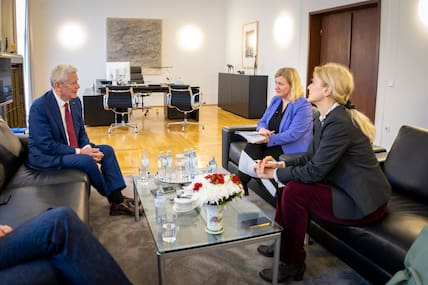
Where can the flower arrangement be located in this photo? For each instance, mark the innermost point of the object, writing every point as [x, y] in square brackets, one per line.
[216, 188]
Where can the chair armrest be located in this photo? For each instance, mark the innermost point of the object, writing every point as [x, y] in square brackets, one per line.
[228, 136]
[105, 102]
[23, 138]
[290, 157]
[196, 100]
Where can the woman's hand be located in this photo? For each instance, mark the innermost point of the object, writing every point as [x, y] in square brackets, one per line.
[4, 230]
[266, 133]
[263, 169]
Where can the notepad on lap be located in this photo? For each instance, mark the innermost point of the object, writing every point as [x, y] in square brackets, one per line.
[251, 136]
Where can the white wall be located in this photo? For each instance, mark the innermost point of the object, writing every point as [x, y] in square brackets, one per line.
[403, 46]
[197, 68]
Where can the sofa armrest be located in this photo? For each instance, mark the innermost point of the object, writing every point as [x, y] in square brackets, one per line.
[23, 138]
[228, 136]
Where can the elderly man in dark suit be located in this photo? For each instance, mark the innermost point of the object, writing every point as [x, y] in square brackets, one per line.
[58, 140]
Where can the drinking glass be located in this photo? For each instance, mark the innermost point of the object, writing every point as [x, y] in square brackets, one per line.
[169, 228]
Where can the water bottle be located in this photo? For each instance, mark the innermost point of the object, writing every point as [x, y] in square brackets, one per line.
[212, 165]
[160, 205]
[186, 165]
[169, 166]
[145, 166]
[193, 163]
[161, 169]
[179, 174]
[165, 167]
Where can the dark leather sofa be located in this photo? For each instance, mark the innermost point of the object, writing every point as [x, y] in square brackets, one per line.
[26, 192]
[375, 250]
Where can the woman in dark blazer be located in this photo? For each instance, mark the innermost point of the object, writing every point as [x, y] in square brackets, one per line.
[286, 124]
[338, 180]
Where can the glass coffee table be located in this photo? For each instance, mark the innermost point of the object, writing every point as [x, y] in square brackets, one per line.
[191, 235]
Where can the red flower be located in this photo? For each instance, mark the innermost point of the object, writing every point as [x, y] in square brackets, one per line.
[197, 186]
[235, 179]
[215, 178]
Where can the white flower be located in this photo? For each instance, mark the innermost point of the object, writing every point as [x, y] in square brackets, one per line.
[216, 188]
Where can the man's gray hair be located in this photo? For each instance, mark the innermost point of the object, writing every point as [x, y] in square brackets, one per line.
[60, 73]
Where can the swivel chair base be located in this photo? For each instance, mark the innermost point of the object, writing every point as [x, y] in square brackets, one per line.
[123, 124]
[184, 123]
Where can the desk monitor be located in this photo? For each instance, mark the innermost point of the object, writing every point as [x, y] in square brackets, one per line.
[118, 71]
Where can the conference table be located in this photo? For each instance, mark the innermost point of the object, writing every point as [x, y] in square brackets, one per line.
[95, 115]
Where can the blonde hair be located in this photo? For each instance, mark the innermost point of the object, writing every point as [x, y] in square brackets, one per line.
[341, 82]
[293, 78]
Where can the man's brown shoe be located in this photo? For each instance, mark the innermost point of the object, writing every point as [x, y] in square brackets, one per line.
[131, 200]
[124, 208]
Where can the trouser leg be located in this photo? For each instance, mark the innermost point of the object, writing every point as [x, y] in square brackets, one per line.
[105, 179]
[59, 236]
[294, 205]
[37, 272]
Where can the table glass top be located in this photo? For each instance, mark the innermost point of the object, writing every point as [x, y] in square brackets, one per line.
[191, 225]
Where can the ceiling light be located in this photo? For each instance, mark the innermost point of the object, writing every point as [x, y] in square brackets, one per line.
[283, 30]
[190, 37]
[423, 12]
[71, 35]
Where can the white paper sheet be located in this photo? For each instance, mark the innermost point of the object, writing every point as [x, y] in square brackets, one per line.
[247, 164]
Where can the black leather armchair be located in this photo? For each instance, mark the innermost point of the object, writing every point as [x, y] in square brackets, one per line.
[377, 250]
[27, 192]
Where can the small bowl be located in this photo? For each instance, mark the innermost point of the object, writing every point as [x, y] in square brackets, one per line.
[184, 204]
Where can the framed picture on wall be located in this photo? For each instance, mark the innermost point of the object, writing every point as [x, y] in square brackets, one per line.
[249, 47]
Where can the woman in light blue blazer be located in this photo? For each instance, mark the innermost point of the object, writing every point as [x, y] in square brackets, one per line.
[286, 124]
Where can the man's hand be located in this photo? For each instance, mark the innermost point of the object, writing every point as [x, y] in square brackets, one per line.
[4, 230]
[95, 153]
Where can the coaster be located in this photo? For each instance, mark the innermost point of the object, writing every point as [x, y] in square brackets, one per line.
[214, 232]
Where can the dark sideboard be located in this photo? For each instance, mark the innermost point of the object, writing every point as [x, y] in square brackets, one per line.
[93, 110]
[244, 95]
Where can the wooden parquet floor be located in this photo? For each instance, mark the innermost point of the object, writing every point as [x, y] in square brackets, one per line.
[154, 136]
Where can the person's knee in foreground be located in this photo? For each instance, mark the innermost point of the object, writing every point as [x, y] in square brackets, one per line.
[55, 247]
[338, 179]
[286, 125]
[58, 139]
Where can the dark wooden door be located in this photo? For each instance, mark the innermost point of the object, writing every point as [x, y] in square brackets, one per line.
[336, 38]
[349, 35]
[365, 59]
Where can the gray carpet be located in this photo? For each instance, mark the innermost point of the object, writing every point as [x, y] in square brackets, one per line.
[132, 246]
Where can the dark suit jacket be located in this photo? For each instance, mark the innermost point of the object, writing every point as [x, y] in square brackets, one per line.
[48, 140]
[341, 156]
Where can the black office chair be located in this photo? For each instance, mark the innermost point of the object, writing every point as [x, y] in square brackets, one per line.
[137, 78]
[182, 98]
[121, 101]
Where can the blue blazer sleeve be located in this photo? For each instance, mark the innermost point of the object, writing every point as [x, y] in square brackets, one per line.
[295, 129]
[295, 124]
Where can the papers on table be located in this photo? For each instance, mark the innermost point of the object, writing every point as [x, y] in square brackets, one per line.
[251, 136]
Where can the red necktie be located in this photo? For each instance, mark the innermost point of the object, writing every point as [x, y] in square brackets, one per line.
[70, 127]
